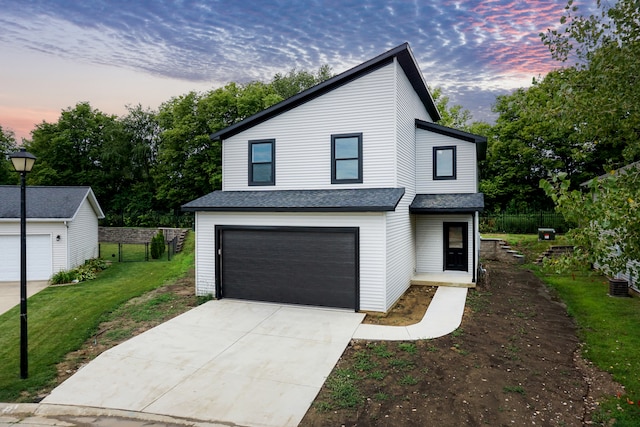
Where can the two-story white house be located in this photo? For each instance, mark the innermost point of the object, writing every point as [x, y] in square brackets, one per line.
[342, 195]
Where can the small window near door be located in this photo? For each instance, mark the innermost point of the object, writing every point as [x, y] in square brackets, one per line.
[455, 237]
[444, 162]
[346, 158]
[262, 164]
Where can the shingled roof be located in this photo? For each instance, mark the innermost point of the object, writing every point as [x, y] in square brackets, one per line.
[480, 141]
[447, 203]
[57, 203]
[340, 200]
[402, 53]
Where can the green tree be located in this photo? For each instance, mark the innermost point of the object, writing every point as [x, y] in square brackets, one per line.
[603, 104]
[185, 152]
[604, 98]
[83, 148]
[455, 116]
[533, 138]
[141, 137]
[608, 218]
[157, 245]
[7, 146]
[296, 81]
[189, 163]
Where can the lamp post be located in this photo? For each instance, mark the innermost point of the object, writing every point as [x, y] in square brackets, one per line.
[22, 163]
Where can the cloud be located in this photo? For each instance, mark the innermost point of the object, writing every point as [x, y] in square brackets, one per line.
[470, 48]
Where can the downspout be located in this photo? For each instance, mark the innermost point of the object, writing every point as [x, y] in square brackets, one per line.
[473, 221]
[66, 243]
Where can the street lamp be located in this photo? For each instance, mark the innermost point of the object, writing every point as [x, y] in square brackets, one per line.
[23, 162]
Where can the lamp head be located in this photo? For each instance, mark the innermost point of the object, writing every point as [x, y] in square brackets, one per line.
[22, 160]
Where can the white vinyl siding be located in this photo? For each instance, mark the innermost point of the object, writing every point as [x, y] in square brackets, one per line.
[303, 135]
[400, 231]
[401, 256]
[466, 164]
[83, 236]
[628, 276]
[372, 246]
[430, 241]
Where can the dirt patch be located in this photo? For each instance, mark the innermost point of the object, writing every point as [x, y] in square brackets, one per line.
[515, 360]
[409, 309]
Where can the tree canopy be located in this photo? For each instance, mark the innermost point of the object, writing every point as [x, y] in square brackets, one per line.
[148, 161]
[7, 146]
[602, 104]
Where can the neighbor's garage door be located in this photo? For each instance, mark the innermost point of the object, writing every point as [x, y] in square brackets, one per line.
[39, 259]
[312, 266]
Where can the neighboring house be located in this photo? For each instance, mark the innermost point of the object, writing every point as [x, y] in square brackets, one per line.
[628, 274]
[342, 195]
[62, 230]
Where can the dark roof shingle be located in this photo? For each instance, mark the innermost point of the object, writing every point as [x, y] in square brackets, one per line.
[340, 200]
[447, 203]
[42, 202]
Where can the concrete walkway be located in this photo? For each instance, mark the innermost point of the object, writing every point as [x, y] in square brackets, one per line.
[442, 317]
[10, 293]
[224, 363]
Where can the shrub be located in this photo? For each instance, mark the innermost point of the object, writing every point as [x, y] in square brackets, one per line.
[157, 245]
[87, 271]
[63, 277]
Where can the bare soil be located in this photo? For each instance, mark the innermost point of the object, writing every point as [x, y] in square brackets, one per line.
[514, 361]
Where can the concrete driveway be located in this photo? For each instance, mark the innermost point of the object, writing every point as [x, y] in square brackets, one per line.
[233, 362]
[10, 293]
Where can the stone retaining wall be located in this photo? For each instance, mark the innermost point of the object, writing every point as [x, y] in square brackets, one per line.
[133, 234]
[489, 248]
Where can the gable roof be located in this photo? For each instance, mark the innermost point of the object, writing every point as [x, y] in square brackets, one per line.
[405, 59]
[340, 200]
[618, 171]
[50, 203]
[447, 203]
[480, 141]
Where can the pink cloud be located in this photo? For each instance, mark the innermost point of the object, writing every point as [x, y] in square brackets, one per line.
[23, 120]
[506, 33]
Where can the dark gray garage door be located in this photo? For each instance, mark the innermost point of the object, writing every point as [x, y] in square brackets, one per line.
[311, 266]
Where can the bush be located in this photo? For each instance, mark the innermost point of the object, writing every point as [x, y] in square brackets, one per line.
[87, 271]
[157, 245]
[63, 277]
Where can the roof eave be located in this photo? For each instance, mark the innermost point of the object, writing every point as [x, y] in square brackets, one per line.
[291, 209]
[405, 59]
[445, 210]
[36, 219]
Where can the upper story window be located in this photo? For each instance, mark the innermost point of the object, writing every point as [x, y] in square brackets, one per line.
[444, 162]
[262, 162]
[346, 158]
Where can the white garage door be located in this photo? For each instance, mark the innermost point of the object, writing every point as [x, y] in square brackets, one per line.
[39, 260]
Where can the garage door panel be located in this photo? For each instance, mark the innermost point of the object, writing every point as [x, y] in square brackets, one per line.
[39, 257]
[312, 267]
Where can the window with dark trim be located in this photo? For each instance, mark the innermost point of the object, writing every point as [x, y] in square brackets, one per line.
[262, 162]
[444, 162]
[346, 158]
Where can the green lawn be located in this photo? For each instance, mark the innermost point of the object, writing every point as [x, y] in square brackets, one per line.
[608, 326]
[60, 319]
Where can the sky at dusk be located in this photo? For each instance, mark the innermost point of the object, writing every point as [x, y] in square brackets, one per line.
[54, 54]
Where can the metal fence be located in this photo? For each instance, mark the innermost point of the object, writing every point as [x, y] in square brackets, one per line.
[523, 223]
